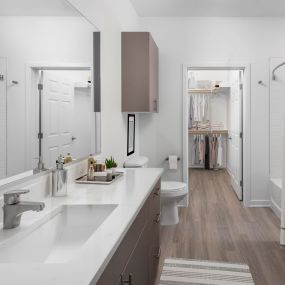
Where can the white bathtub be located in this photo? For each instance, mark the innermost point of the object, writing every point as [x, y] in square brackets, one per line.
[275, 189]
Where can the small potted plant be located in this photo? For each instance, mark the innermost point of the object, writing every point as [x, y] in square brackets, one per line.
[111, 165]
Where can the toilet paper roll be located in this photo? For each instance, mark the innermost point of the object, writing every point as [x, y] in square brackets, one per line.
[172, 159]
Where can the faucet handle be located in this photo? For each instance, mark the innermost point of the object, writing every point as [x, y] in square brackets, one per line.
[13, 197]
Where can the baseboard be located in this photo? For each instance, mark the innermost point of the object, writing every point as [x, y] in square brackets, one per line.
[275, 208]
[259, 203]
[197, 166]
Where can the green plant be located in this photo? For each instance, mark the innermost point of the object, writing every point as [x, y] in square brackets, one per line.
[110, 163]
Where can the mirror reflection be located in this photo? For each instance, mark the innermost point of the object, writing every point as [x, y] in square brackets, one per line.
[46, 86]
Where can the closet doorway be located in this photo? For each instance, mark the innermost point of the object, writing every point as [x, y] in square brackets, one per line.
[215, 121]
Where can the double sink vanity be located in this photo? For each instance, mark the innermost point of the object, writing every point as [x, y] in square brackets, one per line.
[97, 234]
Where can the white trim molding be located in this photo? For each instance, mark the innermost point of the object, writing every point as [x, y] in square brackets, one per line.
[275, 208]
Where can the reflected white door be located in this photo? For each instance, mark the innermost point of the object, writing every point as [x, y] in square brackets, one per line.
[3, 119]
[57, 107]
[235, 133]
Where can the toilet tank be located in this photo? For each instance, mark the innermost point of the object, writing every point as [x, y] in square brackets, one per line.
[136, 162]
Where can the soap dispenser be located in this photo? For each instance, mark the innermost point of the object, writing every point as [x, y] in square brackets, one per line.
[59, 178]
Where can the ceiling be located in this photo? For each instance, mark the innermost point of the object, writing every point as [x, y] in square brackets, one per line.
[210, 8]
[36, 8]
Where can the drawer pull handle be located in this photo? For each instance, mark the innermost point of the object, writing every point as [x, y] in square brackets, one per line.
[157, 192]
[128, 281]
[158, 254]
[157, 220]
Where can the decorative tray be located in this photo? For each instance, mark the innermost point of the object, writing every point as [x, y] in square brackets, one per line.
[83, 179]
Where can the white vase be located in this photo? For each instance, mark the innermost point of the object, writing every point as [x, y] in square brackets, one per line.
[109, 174]
[114, 170]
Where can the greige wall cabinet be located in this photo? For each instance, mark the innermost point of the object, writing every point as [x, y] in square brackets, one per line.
[139, 72]
[136, 260]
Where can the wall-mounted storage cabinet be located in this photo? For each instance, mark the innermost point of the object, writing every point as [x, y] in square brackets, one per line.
[139, 72]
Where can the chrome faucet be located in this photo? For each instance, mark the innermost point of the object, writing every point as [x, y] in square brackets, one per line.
[14, 208]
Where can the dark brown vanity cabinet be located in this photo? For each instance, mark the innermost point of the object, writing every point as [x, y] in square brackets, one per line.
[135, 262]
[139, 72]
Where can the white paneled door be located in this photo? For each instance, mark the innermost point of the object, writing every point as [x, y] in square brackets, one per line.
[3, 119]
[57, 107]
[235, 133]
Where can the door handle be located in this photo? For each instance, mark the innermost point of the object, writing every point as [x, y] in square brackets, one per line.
[73, 138]
[156, 193]
[157, 220]
[229, 138]
[158, 254]
[155, 104]
[128, 281]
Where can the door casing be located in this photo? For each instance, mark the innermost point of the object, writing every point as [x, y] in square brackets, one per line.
[246, 120]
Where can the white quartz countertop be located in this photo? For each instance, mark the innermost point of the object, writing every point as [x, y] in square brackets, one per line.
[87, 265]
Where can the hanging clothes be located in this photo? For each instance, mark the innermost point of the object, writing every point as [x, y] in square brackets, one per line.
[199, 108]
[207, 152]
[201, 150]
[190, 111]
[214, 148]
[198, 150]
[220, 152]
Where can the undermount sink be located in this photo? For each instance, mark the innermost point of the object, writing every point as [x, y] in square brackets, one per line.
[58, 237]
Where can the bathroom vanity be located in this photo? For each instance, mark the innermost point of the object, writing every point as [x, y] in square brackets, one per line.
[97, 234]
[136, 260]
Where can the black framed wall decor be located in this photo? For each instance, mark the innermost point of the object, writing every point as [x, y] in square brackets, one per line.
[131, 134]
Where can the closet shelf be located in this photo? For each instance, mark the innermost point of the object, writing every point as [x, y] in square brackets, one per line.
[208, 132]
[82, 85]
[215, 90]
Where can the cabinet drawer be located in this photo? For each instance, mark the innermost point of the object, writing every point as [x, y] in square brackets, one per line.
[112, 273]
[153, 261]
[154, 250]
[136, 271]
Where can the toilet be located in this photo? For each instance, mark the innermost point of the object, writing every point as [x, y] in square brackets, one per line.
[172, 192]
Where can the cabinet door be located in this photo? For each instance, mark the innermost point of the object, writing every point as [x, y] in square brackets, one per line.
[153, 75]
[136, 270]
[154, 254]
[154, 233]
[112, 273]
[139, 72]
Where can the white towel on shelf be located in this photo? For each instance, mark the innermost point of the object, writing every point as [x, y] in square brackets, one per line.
[172, 159]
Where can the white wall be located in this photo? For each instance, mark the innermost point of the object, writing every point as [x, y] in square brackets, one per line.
[111, 17]
[36, 39]
[202, 40]
[3, 118]
[277, 111]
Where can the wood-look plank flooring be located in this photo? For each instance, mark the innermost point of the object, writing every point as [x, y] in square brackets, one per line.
[216, 226]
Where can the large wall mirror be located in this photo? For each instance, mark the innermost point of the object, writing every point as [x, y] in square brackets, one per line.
[49, 85]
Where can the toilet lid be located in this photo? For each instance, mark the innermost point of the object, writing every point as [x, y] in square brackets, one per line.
[173, 188]
[136, 162]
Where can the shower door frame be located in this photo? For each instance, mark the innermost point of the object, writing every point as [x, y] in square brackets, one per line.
[246, 121]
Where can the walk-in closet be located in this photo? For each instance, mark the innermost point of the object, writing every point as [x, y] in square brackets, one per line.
[215, 122]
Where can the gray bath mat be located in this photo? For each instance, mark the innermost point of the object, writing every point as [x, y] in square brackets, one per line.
[178, 271]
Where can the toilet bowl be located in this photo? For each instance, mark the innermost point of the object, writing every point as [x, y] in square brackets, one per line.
[172, 192]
